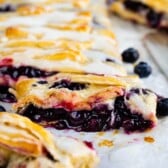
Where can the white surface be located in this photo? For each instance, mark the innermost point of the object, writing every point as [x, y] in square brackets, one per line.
[131, 151]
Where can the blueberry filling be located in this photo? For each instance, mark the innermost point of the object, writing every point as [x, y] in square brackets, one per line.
[42, 82]
[16, 72]
[130, 122]
[153, 18]
[135, 6]
[7, 8]
[5, 95]
[69, 85]
[162, 107]
[98, 119]
[2, 109]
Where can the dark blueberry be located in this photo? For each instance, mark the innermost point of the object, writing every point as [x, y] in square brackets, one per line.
[135, 6]
[162, 107]
[60, 84]
[94, 124]
[2, 109]
[137, 124]
[69, 85]
[31, 111]
[16, 72]
[42, 82]
[52, 114]
[138, 91]
[130, 55]
[3, 70]
[7, 8]
[143, 69]
[60, 125]
[78, 117]
[5, 95]
[77, 86]
[154, 18]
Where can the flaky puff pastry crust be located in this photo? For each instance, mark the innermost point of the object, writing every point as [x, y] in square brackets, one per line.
[23, 142]
[98, 89]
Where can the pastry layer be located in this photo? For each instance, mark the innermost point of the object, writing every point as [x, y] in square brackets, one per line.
[87, 102]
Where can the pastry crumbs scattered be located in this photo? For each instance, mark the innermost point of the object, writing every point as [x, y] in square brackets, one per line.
[149, 139]
[100, 133]
[106, 143]
[115, 132]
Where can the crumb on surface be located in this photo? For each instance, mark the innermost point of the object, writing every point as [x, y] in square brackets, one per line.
[106, 143]
[149, 139]
[100, 133]
[115, 132]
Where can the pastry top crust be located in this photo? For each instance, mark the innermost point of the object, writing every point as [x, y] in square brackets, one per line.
[62, 52]
[94, 90]
[62, 3]
[68, 41]
[31, 15]
[21, 138]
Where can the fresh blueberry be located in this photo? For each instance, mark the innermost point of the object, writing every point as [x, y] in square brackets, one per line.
[143, 69]
[162, 107]
[2, 109]
[130, 55]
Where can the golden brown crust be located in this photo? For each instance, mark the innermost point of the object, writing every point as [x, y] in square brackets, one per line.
[98, 89]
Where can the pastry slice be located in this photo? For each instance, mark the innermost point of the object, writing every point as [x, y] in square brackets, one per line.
[87, 103]
[43, 58]
[26, 144]
[153, 13]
